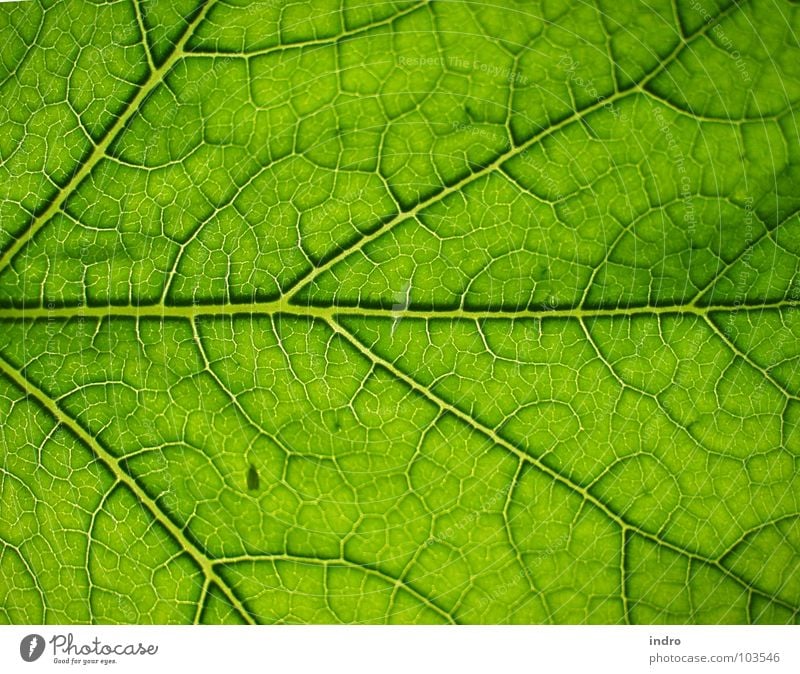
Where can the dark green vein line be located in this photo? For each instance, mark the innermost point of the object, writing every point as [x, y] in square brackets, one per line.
[155, 77]
[295, 287]
[755, 530]
[153, 80]
[115, 466]
[736, 351]
[270, 308]
[499, 440]
[310, 44]
[770, 231]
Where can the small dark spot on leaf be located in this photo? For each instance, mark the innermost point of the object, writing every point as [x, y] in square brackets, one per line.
[252, 478]
[333, 420]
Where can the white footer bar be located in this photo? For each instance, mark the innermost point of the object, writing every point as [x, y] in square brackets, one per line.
[400, 650]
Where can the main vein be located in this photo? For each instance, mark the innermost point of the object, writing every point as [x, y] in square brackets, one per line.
[500, 441]
[154, 78]
[304, 282]
[115, 466]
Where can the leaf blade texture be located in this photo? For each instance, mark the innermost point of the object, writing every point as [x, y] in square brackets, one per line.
[404, 312]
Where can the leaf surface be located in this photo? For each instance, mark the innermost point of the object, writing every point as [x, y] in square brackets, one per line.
[411, 312]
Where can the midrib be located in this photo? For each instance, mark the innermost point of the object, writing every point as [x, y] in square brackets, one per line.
[283, 306]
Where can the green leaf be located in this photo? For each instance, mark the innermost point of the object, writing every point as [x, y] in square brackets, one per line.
[399, 312]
